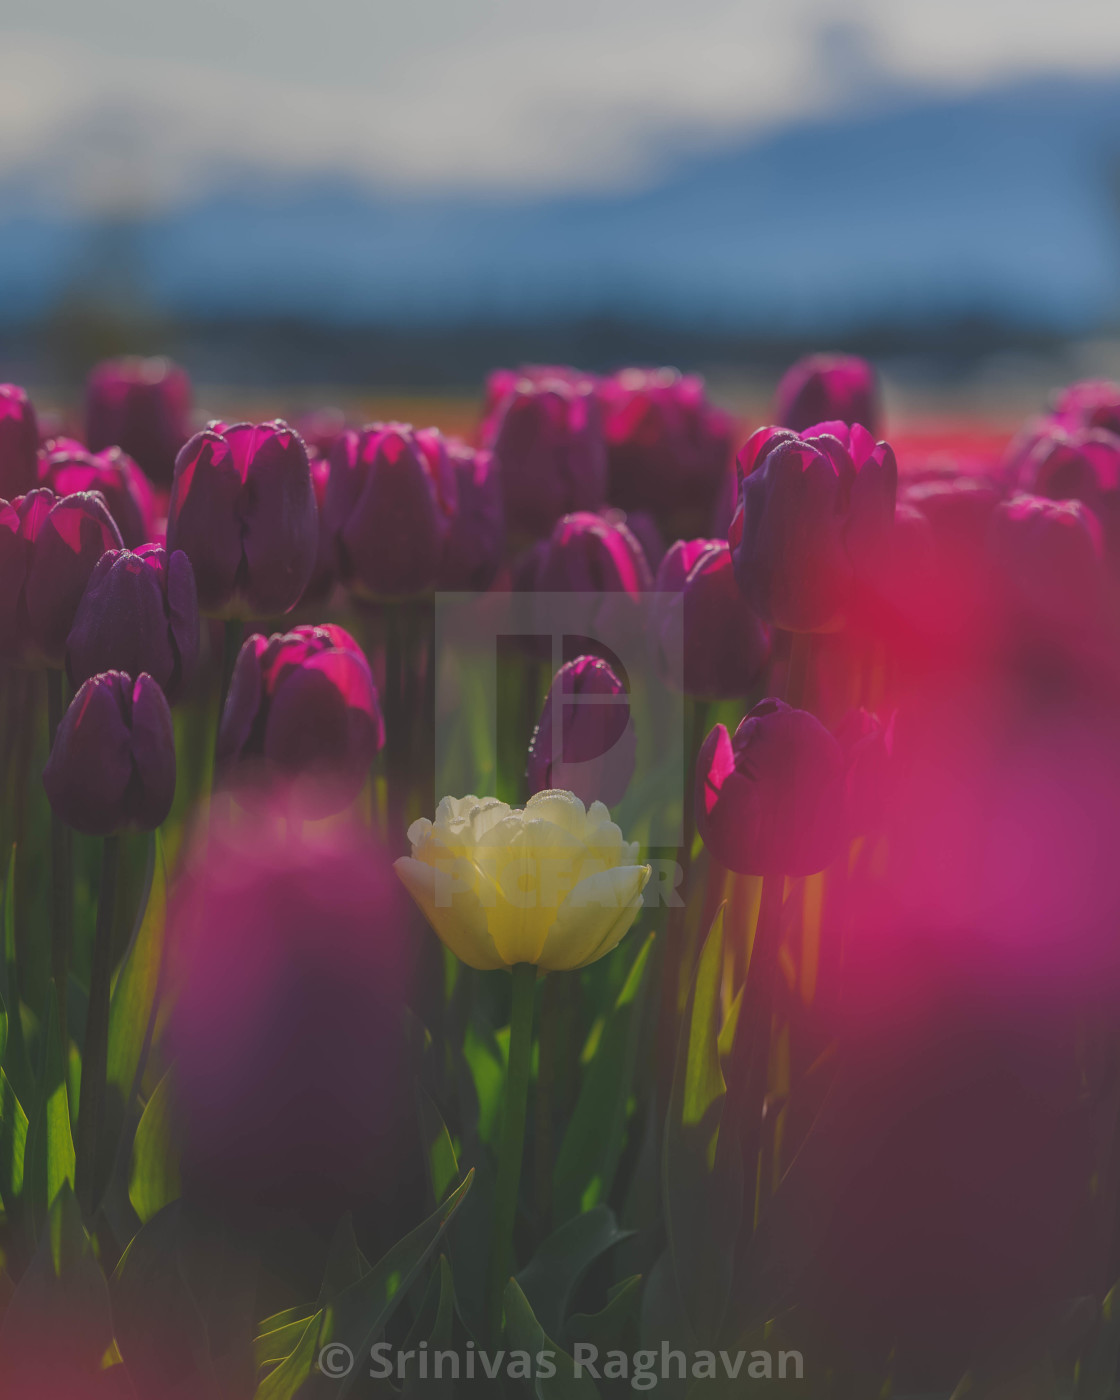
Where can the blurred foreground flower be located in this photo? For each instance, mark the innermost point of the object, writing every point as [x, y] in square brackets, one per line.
[770, 801]
[142, 406]
[587, 711]
[1092, 403]
[547, 437]
[113, 761]
[390, 500]
[551, 884]
[139, 613]
[302, 707]
[290, 1083]
[48, 549]
[242, 510]
[814, 521]
[824, 388]
[19, 442]
[128, 494]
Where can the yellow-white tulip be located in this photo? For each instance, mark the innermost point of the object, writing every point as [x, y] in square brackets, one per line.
[550, 883]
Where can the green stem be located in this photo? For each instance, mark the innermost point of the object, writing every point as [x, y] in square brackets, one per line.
[396, 722]
[552, 1000]
[62, 888]
[96, 1053]
[512, 1145]
[233, 634]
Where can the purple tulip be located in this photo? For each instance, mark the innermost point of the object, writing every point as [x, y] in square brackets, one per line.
[586, 554]
[668, 448]
[49, 547]
[1047, 560]
[813, 524]
[389, 506]
[1076, 464]
[242, 510]
[143, 407]
[293, 961]
[770, 801]
[829, 388]
[320, 429]
[725, 645]
[501, 383]
[19, 442]
[595, 733]
[324, 576]
[139, 613]
[547, 437]
[67, 468]
[958, 509]
[113, 761]
[302, 708]
[475, 545]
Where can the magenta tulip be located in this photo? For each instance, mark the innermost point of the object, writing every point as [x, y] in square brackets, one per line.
[584, 741]
[19, 442]
[829, 388]
[242, 510]
[66, 468]
[143, 407]
[475, 545]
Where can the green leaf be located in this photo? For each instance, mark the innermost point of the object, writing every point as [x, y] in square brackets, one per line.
[132, 1010]
[487, 1062]
[589, 1154]
[346, 1263]
[359, 1313]
[434, 1324]
[49, 1155]
[443, 1166]
[279, 1337]
[288, 1379]
[63, 1295]
[1096, 1368]
[525, 1333]
[703, 1205]
[609, 1328]
[17, 1063]
[13, 1144]
[551, 1276]
[153, 1180]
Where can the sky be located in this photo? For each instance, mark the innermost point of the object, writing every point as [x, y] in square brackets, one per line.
[112, 105]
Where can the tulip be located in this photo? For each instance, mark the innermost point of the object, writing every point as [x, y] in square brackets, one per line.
[595, 737]
[552, 884]
[867, 744]
[325, 573]
[19, 442]
[668, 447]
[726, 647]
[548, 440]
[813, 523]
[67, 468]
[1094, 403]
[475, 544]
[143, 407]
[501, 383]
[139, 613]
[292, 969]
[389, 506]
[957, 507]
[1047, 560]
[242, 510]
[48, 549]
[587, 554]
[302, 706]
[770, 801]
[320, 430]
[1081, 464]
[112, 765]
[826, 388]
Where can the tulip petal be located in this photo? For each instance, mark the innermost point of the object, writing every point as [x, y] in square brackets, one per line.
[594, 917]
[456, 913]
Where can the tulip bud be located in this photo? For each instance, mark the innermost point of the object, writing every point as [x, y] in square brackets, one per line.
[548, 441]
[48, 549]
[113, 761]
[826, 388]
[1093, 403]
[475, 544]
[19, 442]
[67, 468]
[667, 446]
[143, 407]
[302, 707]
[139, 613]
[1076, 464]
[770, 801]
[1047, 561]
[389, 506]
[593, 732]
[242, 510]
[293, 961]
[325, 573]
[501, 383]
[813, 523]
[587, 554]
[725, 645]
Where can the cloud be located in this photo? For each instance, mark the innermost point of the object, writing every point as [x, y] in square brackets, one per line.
[140, 103]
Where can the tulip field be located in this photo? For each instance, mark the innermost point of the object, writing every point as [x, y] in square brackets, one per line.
[625, 899]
